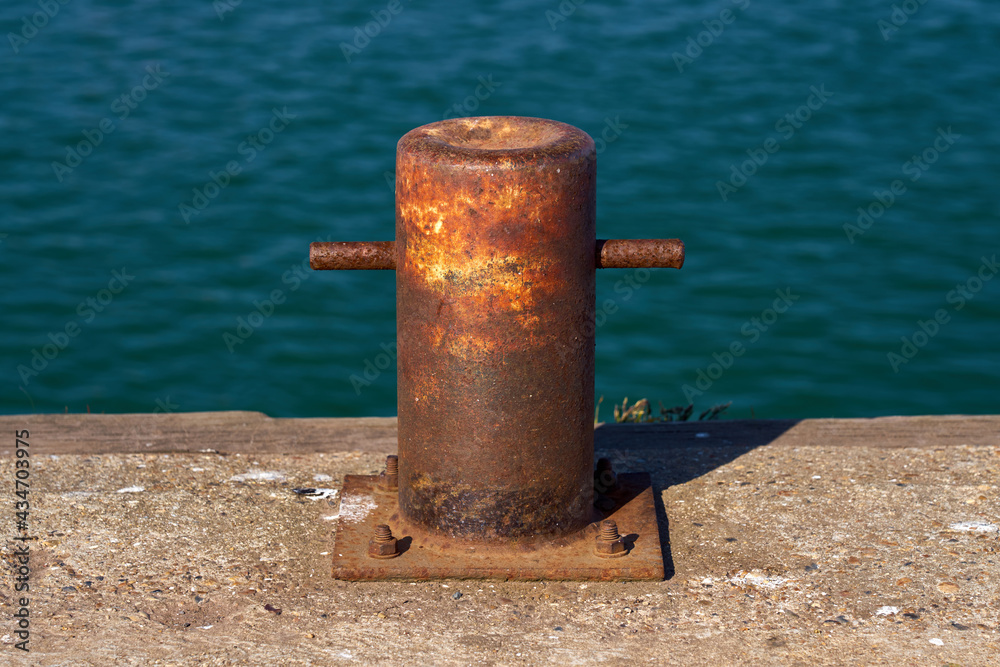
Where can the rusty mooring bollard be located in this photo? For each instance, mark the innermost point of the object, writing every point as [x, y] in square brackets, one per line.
[494, 255]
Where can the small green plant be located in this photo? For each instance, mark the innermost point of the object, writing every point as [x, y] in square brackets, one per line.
[679, 413]
[714, 411]
[640, 412]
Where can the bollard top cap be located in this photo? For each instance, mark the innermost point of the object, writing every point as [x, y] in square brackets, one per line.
[494, 140]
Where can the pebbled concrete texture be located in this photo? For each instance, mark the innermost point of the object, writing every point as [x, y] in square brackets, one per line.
[779, 552]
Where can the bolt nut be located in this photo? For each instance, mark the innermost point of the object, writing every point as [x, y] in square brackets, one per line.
[608, 543]
[383, 544]
[610, 549]
[383, 549]
[388, 480]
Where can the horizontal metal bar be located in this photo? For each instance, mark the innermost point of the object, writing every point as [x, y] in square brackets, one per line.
[639, 254]
[370, 255]
[608, 254]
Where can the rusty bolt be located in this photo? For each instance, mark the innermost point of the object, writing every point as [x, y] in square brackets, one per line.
[388, 480]
[383, 544]
[609, 544]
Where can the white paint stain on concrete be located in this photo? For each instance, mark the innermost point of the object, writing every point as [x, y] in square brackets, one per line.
[983, 527]
[316, 494]
[757, 580]
[259, 476]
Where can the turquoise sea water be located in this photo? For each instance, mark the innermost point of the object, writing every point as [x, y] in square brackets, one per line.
[753, 131]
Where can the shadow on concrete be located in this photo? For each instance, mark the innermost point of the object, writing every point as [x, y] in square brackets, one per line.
[678, 452]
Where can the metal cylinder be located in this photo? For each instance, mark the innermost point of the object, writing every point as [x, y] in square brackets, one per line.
[495, 260]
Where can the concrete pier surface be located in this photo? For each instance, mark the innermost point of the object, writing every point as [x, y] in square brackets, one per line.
[176, 539]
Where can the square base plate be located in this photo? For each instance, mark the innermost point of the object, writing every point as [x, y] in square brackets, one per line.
[424, 556]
